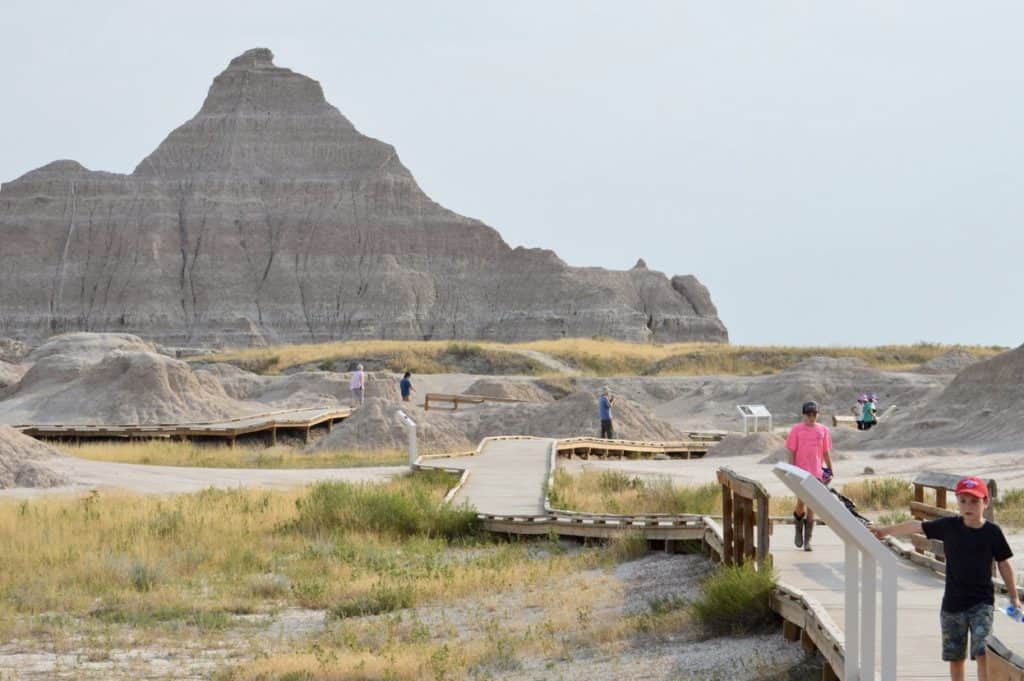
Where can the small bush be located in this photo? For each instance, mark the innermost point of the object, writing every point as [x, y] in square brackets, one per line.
[736, 600]
[270, 586]
[614, 481]
[662, 605]
[403, 509]
[880, 493]
[385, 598]
[626, 547]
[143, 577]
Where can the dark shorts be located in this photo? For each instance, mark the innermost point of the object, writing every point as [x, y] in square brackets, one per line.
[977, 620]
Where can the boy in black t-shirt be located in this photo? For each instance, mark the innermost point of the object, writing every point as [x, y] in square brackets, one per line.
[971, 544]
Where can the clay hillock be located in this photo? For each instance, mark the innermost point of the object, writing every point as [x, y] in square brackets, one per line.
[952, 362]
[10, 373]
[769, 445]
[23, 461]
[512, 389]
[300, 389]
[86, 384]
[12, 350]
[572, 416]
[88, 346]
[835, 383]
[980, 408]
[375, 426]
[269, 218]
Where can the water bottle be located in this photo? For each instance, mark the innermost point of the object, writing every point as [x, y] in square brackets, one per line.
[1013, 613]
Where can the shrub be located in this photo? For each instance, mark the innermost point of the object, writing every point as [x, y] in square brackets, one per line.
[614, 481]
[402, 509]
[880, 493]
[384, 598]
[736, 600]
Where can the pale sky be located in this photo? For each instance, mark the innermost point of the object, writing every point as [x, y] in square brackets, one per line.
[837, 173]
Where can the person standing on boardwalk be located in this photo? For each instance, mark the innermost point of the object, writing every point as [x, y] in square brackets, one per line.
[358, 384]
[810, 444]
[405, 386]
[971, 543]
[604, 412]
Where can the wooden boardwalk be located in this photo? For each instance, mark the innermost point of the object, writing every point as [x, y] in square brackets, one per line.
[506, 478]
[291, 420]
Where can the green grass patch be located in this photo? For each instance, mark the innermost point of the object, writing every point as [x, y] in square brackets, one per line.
[736, 600]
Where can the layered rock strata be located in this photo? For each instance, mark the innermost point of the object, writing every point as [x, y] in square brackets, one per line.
[269, 218]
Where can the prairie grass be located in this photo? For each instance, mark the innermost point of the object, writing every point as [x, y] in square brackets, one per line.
[598, 357]
[1009, 509]
[880, 494]
[609, 491]
[420, 357]
[736, 600]
[604, 357]
[217, 455]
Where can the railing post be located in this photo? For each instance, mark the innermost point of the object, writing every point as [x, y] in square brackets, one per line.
[411, 427]
[851, 625]
[868, 597]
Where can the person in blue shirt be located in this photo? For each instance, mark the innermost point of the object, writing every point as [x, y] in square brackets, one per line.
[405, 385]
[604, 411]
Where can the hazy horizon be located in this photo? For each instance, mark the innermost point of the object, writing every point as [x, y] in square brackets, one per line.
[836, 175]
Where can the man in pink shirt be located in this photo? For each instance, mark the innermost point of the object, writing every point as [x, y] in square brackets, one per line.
[810, 443]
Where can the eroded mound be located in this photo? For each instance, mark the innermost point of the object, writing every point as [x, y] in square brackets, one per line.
[376, 426]
[952, 362]
[762, 444]
[23, 461]
[301, 389]
[527, 391]
[981, 407]
[118, 387]
[572, 416]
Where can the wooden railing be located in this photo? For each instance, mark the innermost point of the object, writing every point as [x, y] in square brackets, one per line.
[744, 517]
[940, 484]
[456, 400]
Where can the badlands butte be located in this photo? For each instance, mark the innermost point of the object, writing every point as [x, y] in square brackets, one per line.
[269, 218]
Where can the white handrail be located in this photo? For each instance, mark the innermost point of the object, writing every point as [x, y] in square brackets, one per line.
[411, 427]
[860, 578]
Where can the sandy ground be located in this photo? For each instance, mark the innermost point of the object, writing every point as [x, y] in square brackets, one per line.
[88, 475]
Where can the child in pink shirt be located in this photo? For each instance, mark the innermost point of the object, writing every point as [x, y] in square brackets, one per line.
[810, 443]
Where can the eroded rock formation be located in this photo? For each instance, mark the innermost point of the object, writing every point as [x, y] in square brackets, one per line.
[269, 218]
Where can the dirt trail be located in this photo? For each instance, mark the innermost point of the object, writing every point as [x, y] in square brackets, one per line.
[547, 360]
[143, 479]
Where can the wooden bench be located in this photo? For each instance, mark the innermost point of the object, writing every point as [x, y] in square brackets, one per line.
[455, 400]
[941, 484]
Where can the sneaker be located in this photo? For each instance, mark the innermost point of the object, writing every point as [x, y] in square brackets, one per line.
[800, 522]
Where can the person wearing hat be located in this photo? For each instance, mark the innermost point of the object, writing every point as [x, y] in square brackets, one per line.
[970, 543]
[810, 446]
[604, 412]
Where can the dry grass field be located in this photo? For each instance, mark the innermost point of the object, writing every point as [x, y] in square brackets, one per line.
[218, 455]
[598, 357]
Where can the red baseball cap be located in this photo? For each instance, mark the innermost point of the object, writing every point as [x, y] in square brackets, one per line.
[973, 486]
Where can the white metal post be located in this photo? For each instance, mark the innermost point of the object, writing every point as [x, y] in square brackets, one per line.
[851, 625]
[868, 596]
[410, 425]
[860, 628]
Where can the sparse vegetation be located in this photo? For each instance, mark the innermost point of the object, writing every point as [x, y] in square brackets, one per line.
[606, 491]
[419, 357]
[736, 600]
[880, 494]
[599, 357]
[218, 455]
[1010, 508]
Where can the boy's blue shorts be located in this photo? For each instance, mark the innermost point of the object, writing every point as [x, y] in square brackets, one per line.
[977, 620]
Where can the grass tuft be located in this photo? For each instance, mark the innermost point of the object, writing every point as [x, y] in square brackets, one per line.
[736, 600]
[880, 494]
